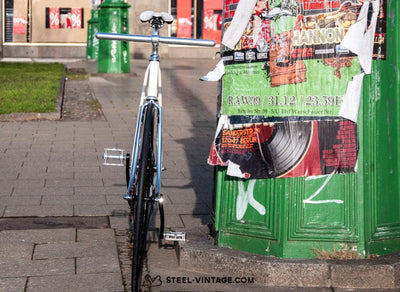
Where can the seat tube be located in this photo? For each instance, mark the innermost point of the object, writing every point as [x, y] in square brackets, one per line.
[152, 89]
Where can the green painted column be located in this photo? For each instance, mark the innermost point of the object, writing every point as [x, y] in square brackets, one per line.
[356, 212]
[113, 55]
[92, 48]
[380, 142]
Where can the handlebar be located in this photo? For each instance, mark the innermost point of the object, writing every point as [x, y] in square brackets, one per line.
[154, 39]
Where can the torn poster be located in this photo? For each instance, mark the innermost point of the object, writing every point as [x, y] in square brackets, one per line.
[299, 62]
[292, 86]
[287, 149]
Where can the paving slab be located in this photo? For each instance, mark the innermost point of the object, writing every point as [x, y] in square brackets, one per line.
[33, 268]
[97, 264]
[15, 284]
[38, 211]
[82, 282]
[35, 236]
[73, 250]
[11, 251]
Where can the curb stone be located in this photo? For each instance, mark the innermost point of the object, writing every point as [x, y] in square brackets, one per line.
[381, 273]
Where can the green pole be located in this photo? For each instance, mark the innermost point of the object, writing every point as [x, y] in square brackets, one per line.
[113, 55]
[92, 48]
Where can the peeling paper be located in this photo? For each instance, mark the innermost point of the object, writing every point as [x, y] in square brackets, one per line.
[239, 23]
[360, 38]
[234, 170]
[216, 74]
[351, 100]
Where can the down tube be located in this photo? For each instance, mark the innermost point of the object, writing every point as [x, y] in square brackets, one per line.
[136, 148]
[159, 148]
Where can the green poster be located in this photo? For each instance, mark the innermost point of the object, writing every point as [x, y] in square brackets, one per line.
[290, 61]
[247, 90]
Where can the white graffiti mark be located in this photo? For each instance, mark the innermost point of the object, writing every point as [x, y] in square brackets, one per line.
[309, 200]
[114, 45]
[246, 197]
[113, 52]
[125, 55]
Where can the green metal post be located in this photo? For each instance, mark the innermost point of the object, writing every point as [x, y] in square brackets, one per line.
[381, 97]
[92, 48]
[113, 55]
[353, 211]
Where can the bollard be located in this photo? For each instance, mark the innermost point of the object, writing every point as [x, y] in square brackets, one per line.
[113, 55]
[92, 48]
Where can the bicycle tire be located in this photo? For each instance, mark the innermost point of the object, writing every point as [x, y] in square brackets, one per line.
[142, 204]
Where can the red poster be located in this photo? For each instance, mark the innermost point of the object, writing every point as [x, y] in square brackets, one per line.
[54, 17]
[19, 25]
[287, 149]
[76, 17]
[184, 18]
[212, 20]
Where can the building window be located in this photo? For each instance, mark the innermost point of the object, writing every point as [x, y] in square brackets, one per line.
[9, 17]
[197, 18]
[64, 18]
[35, 21]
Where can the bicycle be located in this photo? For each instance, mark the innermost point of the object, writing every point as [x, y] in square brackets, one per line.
[143, 169]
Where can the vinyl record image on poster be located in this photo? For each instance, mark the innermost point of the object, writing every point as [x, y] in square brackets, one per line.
[287, 149]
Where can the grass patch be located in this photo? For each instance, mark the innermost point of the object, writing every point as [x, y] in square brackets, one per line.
[29, 87]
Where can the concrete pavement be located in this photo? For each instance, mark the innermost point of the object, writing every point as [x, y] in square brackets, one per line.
[63, 220]
[53, 170]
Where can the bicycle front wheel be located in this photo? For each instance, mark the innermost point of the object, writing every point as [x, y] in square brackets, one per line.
[142, 203]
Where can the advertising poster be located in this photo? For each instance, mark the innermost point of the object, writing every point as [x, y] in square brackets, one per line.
[184, 19]
[287, 149]
[292, 86]
[212, 20]
[19, 25]
[290, 62]
[76, 17]
[54, 17]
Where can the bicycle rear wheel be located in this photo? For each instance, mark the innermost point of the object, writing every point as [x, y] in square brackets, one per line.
[143, 201]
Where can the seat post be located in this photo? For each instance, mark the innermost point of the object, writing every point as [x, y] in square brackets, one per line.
[154, 53]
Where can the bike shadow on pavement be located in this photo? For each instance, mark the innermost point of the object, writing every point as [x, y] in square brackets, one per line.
[194, 113]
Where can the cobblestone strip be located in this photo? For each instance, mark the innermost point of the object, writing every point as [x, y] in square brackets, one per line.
[80, 102]
[124, 254]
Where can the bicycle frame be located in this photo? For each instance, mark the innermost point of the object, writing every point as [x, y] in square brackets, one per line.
[151, 93]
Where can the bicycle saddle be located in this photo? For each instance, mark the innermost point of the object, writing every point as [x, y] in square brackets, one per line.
[148, 15]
